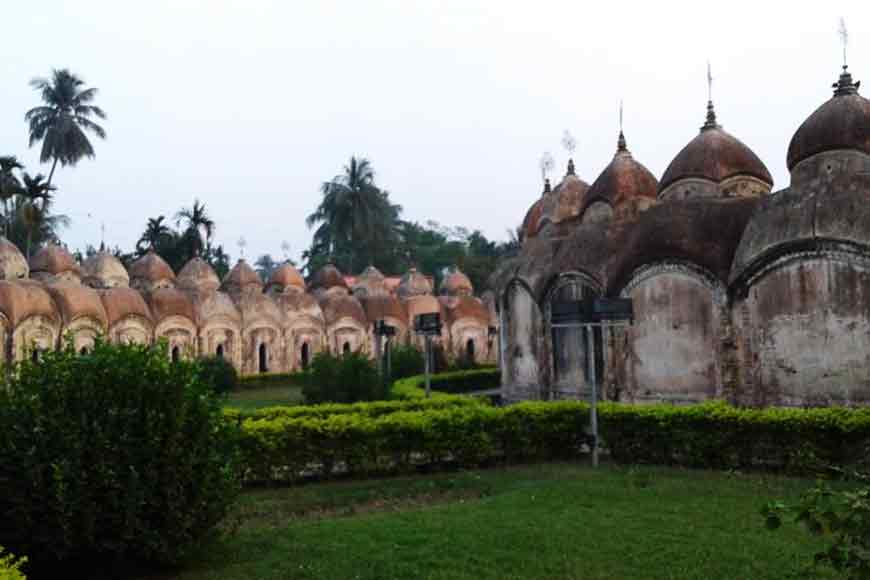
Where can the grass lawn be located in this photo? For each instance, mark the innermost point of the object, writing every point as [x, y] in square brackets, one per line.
[551, 521]
[268, 396]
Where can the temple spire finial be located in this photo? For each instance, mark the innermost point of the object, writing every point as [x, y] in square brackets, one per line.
[845, 85]
[620, 143]
[571, 170]
[547, 188]
[710, 122]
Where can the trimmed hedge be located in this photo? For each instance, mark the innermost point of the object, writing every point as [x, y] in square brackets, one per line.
[289, 449]
[454, 382]
[367, 409]
[271, 380]
[711, 435]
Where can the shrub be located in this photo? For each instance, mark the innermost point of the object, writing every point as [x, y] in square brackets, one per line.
[450, 382]
[271, 380]
[406, 361]
[841, 516]
[349, 378]
[115, 456]
[218, 373]
[10, 566]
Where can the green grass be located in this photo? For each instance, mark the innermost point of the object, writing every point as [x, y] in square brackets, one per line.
[551, 521]
[252, 398]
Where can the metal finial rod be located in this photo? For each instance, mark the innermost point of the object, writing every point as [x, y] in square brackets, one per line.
[844, 38]
[709, 82]
[102, 234]
[620, 115]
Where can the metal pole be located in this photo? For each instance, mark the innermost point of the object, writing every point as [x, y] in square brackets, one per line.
[593, 408]
[426, 367]
[378, 352]
[389, 361]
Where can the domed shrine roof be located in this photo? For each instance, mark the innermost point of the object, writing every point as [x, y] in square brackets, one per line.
[103, 270]
[151, 268]
[456, 283]
[53, 259]
[198, 275]
[714, 155]
[287, 276]
[414, 284]
[622, 180]
[13, 265]
[842, 122]
[242, 277]
[328, 277]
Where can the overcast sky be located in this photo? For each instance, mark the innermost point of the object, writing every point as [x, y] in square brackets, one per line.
[249, 105]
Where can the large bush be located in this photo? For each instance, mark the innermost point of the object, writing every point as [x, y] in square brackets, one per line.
[347, 378]
[218, 373]
[114, 456]
[405, 360]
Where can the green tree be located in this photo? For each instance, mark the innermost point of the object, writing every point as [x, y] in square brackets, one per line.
[156, 235]
[357, 221]
[265, 265]
[34, 210]
[62, 121]
[198, 227]
[9, 184]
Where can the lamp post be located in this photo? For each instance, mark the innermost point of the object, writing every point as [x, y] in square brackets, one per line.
[428, 325]
[587, 315]
[381, 330]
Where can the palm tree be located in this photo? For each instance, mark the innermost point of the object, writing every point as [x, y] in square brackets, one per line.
[155, 235]
[64, 118]
[265, 265]
[34, 210]
[353, 211]
[9, 185]
[199, 227]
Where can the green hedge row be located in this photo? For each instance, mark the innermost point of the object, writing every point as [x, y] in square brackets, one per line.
[366, 409]
[454, 382]
[288, 449]
[711, 435]
[270, 380]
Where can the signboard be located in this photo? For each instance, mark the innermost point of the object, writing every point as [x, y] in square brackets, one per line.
[429, 323]
[384, 329]
[591, 310]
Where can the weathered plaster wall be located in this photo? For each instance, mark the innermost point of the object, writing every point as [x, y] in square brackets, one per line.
[523, 350]
[805, 333]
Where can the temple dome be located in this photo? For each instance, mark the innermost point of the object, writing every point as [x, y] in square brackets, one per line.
[242, 278]
[534, 217]
[370, 283]
[150, 272]
[842, 122]
[103, 270]
[286, 276]
[53, 261]
[714, 155]
[457, 284]
[199, 276]
[568, 196]
[624, 183]
[13, 265]
[120, 303]
[414, 284]
[328, 277]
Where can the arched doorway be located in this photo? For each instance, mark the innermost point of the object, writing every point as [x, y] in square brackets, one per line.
[346, 348]
[219, 352]
[264, 367]
[34, 356]
[83, 351]
[176, 354]
[304, 356]
[469, 351]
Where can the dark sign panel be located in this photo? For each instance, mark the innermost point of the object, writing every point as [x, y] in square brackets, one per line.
[428, 323]
[384, 329]
[591, 310]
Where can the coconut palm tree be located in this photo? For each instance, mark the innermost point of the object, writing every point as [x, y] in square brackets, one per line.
[198, 227]
[62, 121]
[34, 210]
[353, 213]
[9, 184]
[156, 234]
[265, 266]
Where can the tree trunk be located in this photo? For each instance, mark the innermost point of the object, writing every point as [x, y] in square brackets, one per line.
[51, 174]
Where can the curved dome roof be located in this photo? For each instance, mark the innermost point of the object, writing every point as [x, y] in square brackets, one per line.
[76, 301]
[532, 221]
[380, 307]
[53, 259]
[622, 180]
[151, 268]
[25, 298]
[13, 265]
[296, 304]
[568, 196]
[340, 306]
[328, 277]
[714, 155]
[842, 122]
[242, 277]
[198, 275]
[259, 307]
[103, 270]
[287, 276]
[456, 283]
[216, 305]
[414, 284]
[370, 283]
[122, 302]
[166, 302]
[466, 307]
[421, 304]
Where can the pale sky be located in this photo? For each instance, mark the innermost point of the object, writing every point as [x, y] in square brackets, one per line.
[249, 105]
